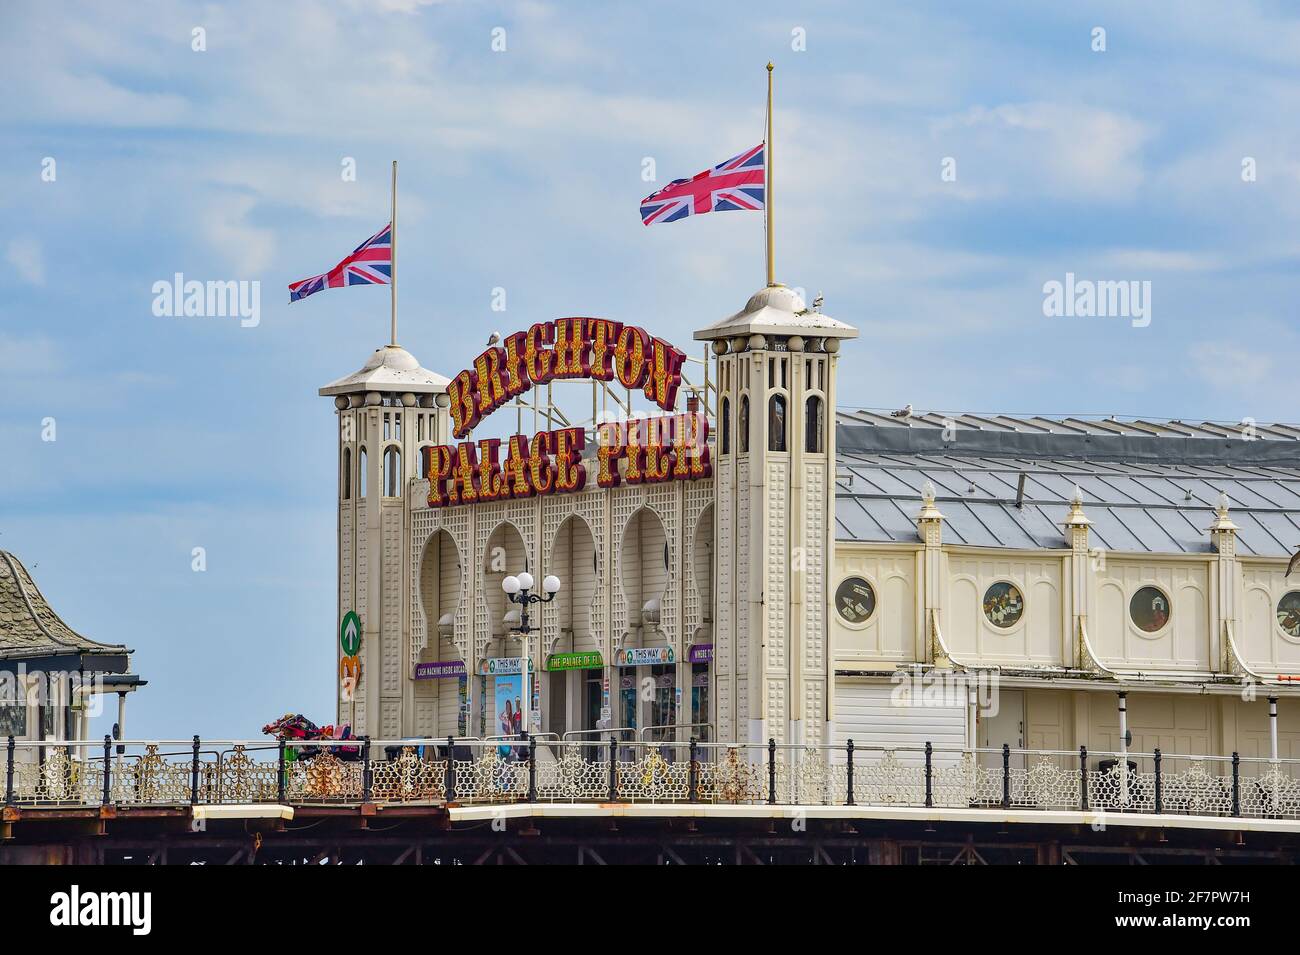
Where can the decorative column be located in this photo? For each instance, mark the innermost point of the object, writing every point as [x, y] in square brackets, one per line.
[1226, 576]
[1272, 728]
[1079, 575]
[929, 525]
[1123, 748]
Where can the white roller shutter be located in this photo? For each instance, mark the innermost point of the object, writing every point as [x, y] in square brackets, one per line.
[867, 714]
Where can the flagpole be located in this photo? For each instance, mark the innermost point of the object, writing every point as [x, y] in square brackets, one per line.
[392, 283]
[767, 187]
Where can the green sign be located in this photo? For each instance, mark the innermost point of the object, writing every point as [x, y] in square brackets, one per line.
[575, 661]
[350, 634]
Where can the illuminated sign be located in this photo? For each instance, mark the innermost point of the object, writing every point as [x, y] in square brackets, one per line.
[653, 450]
[568, 348]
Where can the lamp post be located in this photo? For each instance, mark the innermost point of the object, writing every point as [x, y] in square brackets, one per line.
[518, 590]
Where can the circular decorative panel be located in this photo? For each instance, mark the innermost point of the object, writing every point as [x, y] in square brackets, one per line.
[855, 600]
[1003, 604]
[1149, 609]
[1288, 613]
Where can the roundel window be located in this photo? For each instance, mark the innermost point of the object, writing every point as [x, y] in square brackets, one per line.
[1288, 613]
[1003, 604]
[855, 600]
[1149, 609]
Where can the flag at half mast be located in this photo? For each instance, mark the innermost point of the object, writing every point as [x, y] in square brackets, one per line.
[742, 183]
[371, 263]
[739, 184]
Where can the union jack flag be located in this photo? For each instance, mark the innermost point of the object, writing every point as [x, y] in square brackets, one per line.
[737, 184]
[371, 263]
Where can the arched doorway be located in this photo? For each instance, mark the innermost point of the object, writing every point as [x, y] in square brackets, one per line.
[505, 555]
[574, 663]
[441, 679]
[700, 652]
[647, 674]
[504, 701]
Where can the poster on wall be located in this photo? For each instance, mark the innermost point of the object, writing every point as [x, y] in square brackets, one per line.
[507, 691]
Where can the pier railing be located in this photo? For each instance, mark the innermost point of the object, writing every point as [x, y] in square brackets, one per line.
[467, 771]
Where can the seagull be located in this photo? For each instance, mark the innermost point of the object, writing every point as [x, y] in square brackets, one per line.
[817, 302]
[494, 338]
[905, 412]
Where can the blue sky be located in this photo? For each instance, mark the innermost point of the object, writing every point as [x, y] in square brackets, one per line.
[522, 170]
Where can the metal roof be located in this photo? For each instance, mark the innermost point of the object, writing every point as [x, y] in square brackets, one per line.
[28, 624]
[1148, 487]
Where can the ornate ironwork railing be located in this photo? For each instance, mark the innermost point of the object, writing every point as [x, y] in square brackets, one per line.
[547, 770]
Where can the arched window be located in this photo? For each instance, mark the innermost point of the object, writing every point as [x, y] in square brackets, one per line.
[361, 473]
[392, 472]
[346, 481]
[812, 441]
[743, 424]
[776, 423]
[725, 419]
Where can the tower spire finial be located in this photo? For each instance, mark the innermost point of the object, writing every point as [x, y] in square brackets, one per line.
[392, 279]
[767, 185]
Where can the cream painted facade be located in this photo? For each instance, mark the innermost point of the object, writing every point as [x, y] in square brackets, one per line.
[1201, 684]
[746, 563]
[735, 562]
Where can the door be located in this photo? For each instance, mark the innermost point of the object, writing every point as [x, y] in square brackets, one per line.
[557, 709]
[1007, 726]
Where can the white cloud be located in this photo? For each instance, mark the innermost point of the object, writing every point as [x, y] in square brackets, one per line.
[26, 258]
[1062, 149]
[248, 248]
[1230, 366]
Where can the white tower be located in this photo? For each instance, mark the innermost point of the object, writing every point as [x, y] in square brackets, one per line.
[774, 477]
[388, 411]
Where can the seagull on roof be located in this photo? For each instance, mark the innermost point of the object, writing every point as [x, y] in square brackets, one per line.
[905, 412]
[817, 302]
[494, 338]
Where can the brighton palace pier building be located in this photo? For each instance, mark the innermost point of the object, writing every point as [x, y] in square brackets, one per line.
[755, 565]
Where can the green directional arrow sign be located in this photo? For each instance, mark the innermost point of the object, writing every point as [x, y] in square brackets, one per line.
[350, 634]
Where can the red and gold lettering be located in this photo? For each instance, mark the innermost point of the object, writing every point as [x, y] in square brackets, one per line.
[539, 463]
[572, 348]
[691, 444]
[517, 381]
[515, 472]
[664, 374]
[491, 485]
[439, 461]
[635, 450]
[463, 490]
[607, 455]
[603, 335]
[538, 358]
[570, 475]
[658, 454]
[464, 409]
[630, 357]
[488, 369]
